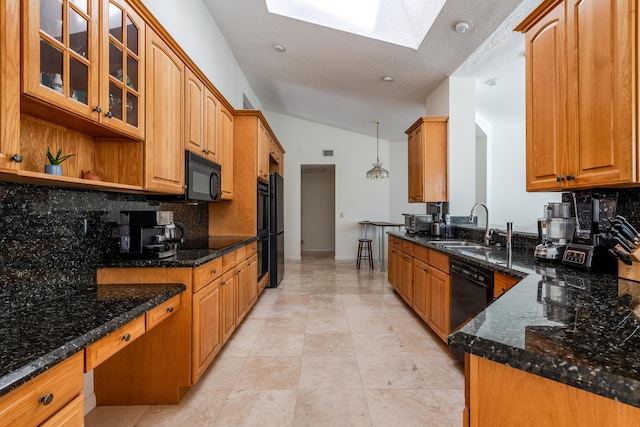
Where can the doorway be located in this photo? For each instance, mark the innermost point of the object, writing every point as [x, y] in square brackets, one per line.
[317, 209]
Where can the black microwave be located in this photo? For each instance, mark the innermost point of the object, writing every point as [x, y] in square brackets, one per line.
[202, 181]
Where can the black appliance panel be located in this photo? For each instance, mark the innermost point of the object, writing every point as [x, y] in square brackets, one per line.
[276, 230]
[263, 206]
[203, 179]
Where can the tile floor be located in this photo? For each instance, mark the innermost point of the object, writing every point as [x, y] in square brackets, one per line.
[331, 346]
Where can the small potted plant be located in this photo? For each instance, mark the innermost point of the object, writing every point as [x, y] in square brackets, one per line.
[55, 167]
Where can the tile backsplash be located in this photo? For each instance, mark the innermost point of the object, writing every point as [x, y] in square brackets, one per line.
[44, 252]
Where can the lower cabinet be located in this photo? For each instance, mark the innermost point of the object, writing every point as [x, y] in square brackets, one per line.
[243, 301]
[207, 333]
[421, 277]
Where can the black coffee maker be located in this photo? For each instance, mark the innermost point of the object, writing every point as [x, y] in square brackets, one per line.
[149, 234]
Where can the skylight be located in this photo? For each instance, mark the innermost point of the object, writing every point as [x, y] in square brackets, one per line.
[401, 22]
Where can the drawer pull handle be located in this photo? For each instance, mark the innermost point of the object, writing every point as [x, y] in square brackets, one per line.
[170, 309]
[214, 271]
[126, 337]
[46, 399]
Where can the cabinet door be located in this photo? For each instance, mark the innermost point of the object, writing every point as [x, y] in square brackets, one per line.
[416, 166]
[421, 288]
[406, 274]
[263, 152]
[546, 100]
[394, 274]
[228, 288]
[440, 301]
[252, 280]
[242, 299]
[60, 54]
[9, 91]
[210, 134]
[225, 138]
[164, 148]
[207, 334]
[193, 113]
[601, 40]
[123, 69]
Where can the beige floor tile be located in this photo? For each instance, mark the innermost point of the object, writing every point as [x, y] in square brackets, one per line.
[390, 372]
[278, 345]
[326, 372]
[378, 345]
[197, 409]
[269, 373]
[258, 408]
[319, 408]
[452, 403]
[328, 345]
[285, 299]
[418, 343]
[327, 323]
[222, 374]
[440, 369]
[369, 324]
[114, 416]
[285, 325]
[406, 408]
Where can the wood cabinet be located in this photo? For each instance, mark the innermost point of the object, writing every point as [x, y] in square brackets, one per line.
[201, 118]
[226, 156]
[9, 90]
[262, 152]
[440, 308]
[421, 289]
[229, 287]
[103, 349]
[46, 395]
[242, 300]
[86, 66]
[252, 280]
[428, 164]
[276, 158]
[581, 74]
[164, 150]
[499, 395]
[502, 283]
[393, 271]
[406, 278]
[207, 333]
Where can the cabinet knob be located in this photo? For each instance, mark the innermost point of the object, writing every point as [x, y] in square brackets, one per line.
[213, 271]
[222, 283]
[17, 158]
[170, 310]
[109, 114]
[98, 109]
[126, 337]
[570, 177]
[426, 271]
[504, 289]
[46, 399]
[559, 178]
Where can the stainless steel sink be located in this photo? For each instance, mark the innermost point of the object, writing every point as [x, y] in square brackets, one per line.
[461, 244]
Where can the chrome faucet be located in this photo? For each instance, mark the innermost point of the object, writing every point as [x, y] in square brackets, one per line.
[487, 231]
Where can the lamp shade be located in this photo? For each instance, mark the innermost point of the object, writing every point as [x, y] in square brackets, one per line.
[377, 171]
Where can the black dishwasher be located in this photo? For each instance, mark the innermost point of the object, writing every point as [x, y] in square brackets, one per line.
[471, 292]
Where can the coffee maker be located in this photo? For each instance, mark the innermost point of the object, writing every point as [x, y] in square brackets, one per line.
[149, 234]
[555, 230]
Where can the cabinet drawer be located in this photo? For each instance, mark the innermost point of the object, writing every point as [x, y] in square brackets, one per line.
[100, 351]
[26, 404]
[72, 415]
[502, 283]
[397, 242]
[228, 261]
[407, 247]
[439, 260]
[252, 248]
[206, 273]
[241, 253]
[164, 310]
[421, 253]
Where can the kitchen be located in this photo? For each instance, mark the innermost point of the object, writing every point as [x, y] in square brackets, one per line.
[128, 202]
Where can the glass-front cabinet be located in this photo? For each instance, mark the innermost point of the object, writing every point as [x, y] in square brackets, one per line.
[90, 68]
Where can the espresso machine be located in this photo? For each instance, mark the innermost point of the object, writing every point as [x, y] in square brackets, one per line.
[149, 234]
[555, 230]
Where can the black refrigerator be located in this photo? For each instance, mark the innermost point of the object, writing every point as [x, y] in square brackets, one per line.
[276, 229]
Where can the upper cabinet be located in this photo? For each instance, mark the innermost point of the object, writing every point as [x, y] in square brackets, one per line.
[164, 148]
[580, 80]
[9, 91]
[225, 138]
[428, 160]
[83, 65]
[264, 140]
[201, 118]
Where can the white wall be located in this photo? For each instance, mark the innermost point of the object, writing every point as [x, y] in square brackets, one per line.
[318, 210]
[191, 25]
[399, 182]
[357, 198]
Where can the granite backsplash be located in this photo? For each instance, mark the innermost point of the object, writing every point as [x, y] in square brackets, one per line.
[44, 253]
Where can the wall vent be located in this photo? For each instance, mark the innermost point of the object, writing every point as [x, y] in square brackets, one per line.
[327, 153]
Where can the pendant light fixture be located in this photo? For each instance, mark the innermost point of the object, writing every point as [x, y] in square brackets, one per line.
[377, 172]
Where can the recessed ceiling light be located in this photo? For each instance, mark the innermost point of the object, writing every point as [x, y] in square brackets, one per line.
[492, 82]
[387, 79]
[462, 27]
[278, 48]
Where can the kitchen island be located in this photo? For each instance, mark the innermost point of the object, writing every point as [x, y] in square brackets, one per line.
[558, 328]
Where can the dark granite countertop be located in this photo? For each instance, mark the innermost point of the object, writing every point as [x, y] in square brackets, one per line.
[208, 250]
[37, 338]
[571, 326]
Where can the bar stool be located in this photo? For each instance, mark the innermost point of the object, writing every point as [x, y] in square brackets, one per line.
[364, 252]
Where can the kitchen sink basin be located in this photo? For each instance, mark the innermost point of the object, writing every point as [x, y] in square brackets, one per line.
[461, 244]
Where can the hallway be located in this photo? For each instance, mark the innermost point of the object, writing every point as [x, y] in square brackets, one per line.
[331, 346]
